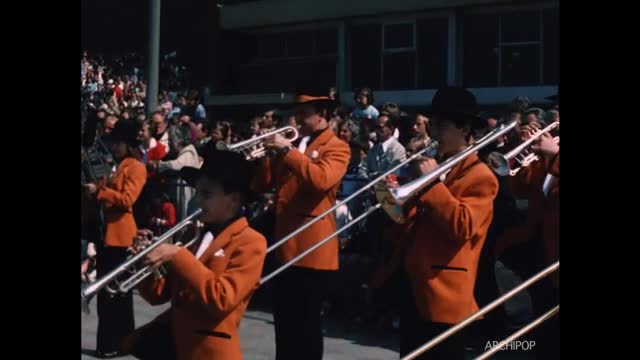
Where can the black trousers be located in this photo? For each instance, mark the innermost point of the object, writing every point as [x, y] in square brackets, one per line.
[154, 341]
[297, 301]
[547, 334]
[415, 332]
[115, 314]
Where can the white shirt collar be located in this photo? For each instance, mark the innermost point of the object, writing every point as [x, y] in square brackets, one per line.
[386, 143]
[303, 144]
[204, 245]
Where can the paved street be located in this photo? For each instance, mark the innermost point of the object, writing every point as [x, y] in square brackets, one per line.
[257, 337]
[358, 343]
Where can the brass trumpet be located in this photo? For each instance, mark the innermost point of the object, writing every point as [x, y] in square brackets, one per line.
[501, 164]
[254, 148]
[112, 283]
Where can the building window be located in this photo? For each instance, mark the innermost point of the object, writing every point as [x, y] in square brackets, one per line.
[326, 42]
[432, 44]
[399, 56]
[508, 49]
[298, 44]
[550, 57]
[272, 46]
[365, 49]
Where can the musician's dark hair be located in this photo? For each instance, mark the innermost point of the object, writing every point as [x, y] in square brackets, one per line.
[549, 115]
[539, 113]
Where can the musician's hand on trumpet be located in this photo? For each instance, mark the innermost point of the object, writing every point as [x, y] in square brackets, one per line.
[545, 146]
[527, 131]
[141, 241]
[277, 142]
[161, 254]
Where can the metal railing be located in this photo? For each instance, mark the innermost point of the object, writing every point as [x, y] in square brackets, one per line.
[546, 316]
[469, 320]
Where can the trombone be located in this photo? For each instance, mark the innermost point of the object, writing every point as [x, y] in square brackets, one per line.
[501, 164]
[254, 148]
[499, 301]
[389, 204]
[427, 150]
[390, 198]
[113, 285]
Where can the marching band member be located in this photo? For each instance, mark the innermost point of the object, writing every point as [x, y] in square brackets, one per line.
[211, 284]
[449, 223]
[306, 181]
[539, 183]
[536, 244]
[115, 314]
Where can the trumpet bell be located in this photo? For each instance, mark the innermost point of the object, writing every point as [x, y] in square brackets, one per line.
[389, 204]
[499, 163]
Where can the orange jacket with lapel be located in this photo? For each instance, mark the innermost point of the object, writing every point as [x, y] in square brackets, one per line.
[118, 196]
[210, 295]
[306, 186]
[449, 229]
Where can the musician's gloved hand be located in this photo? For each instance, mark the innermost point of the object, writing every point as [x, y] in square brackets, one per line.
[545, 146]
[161, 254]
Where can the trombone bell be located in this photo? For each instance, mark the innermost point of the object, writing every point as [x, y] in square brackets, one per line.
[499, 163]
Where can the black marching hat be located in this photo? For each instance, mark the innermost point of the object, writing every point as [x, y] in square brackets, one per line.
[228, 168]
[454, 103]
[125, 131]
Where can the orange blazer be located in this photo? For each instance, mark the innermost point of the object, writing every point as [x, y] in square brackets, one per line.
[449, 229]
[543, 212]
[306, 186]
[118, 197]
[209, 295]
